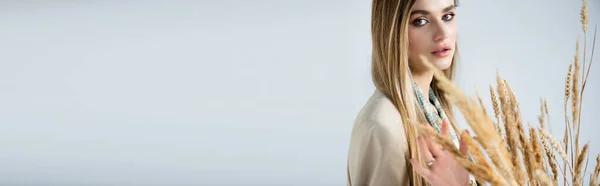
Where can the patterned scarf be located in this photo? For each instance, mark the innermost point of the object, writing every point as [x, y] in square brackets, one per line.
[435, 115]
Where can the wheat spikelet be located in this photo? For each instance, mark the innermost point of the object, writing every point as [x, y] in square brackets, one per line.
[501, 162]
[559, 149]
[576, 106]
[481, 173]
[497, 160]
[537, 149]
[481, 104]
[507, 120]
[575, 97]
[528, 161]
[541, 119]
[530, 164]
[508, 128]
[587, 161]
[543, 178]
[584, 16]
[522, 140]
[579, 165]
[474, 149]
[515, 109]
[496, 110]
[544, 145]
[546, 110]
[530, 158]
[568, 83]
[575, 85]
[544, 113]
[594, 176]
[479, 159]
[550, 157]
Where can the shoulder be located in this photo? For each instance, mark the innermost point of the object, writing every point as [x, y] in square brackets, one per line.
[378, 125]
[378, 146]
[378, 113]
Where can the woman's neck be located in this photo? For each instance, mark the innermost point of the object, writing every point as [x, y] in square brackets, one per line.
[423, 80]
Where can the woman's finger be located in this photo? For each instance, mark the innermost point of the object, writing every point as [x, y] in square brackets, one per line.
[434, 148]
[420, 169]
[428, 126]
[424, 149]
[446, 128]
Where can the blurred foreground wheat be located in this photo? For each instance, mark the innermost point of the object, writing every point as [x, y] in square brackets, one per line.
[509, 152]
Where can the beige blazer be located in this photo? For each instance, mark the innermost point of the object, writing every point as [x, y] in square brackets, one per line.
[378, 153]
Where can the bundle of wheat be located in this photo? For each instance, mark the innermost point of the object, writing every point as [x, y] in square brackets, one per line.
[502, 153]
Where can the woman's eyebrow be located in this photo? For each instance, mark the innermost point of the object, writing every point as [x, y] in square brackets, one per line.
[425, 12]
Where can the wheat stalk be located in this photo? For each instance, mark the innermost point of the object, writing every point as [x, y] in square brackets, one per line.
[568, 135]
[589, 66]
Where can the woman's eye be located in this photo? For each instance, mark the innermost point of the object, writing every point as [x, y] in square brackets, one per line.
[448, 17]
[419, 22]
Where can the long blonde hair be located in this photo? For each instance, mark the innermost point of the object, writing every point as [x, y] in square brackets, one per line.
[391, 73]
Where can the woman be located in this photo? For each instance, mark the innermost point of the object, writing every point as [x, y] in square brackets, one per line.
[383, 142]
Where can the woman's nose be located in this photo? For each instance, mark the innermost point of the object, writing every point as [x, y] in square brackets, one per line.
[441, 33]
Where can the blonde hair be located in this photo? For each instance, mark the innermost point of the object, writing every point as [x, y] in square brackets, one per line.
[391, 73]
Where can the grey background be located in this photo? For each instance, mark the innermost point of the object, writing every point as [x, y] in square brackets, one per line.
[260, 92]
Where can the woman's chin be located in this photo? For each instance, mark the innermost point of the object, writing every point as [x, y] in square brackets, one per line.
[442, 64]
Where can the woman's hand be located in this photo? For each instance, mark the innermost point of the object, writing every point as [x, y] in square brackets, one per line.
[441, 168]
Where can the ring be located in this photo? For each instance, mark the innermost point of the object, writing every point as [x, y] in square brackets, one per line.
[430, 162]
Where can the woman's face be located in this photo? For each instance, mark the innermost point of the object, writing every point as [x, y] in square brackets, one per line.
[432, 33]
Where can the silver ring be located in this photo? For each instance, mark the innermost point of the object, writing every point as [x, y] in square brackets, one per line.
[430, 162]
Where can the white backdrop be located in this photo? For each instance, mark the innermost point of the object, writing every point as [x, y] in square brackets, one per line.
[260, 92]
